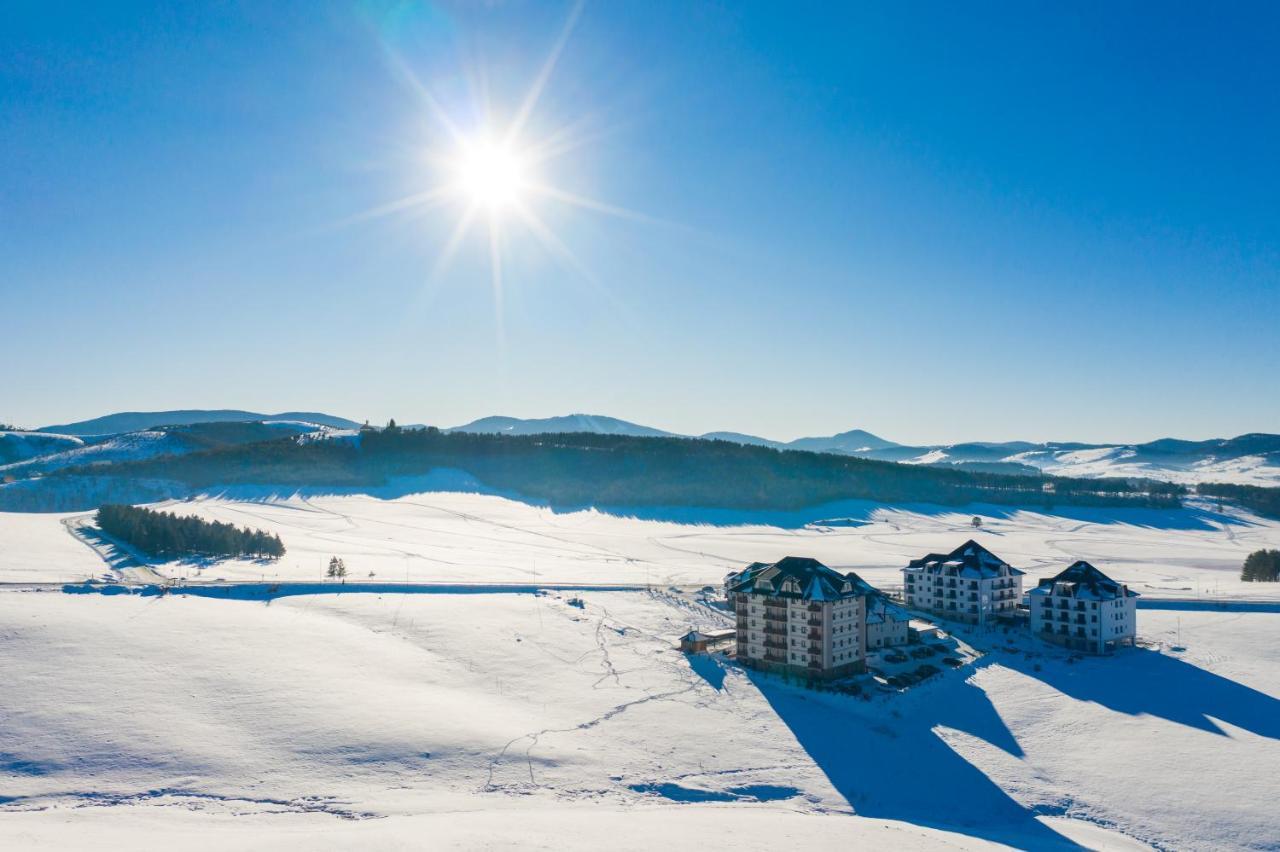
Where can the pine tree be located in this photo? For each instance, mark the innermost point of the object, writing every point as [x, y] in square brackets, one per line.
[1261, 566]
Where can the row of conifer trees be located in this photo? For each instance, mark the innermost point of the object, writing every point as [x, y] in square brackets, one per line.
[167, 534]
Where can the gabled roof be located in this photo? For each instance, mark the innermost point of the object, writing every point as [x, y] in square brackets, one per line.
[880, 609]
[798, 577]
[1085, 582]
[970, 560]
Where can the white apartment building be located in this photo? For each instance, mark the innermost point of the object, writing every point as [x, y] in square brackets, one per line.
[799, 616]
[969, 584]
[1085, 610]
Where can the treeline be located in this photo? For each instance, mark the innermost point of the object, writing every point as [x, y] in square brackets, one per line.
[1261, 566]
[167, 534]
[1264, 501]
[581, 469]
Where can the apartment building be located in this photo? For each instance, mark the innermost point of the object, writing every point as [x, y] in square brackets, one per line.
[1084, 610]
[797, 615]
[969, 584]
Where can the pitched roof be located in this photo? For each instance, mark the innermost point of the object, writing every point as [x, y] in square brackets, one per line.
[970, 560]
[1085, 582]
[798, 577]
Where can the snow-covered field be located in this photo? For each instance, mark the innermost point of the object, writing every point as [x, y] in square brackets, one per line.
[318, 714]
[516, 720]
[452, 537]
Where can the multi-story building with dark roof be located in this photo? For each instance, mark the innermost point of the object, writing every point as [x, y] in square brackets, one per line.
[969, 584]
[1085, 610]
[798, 615]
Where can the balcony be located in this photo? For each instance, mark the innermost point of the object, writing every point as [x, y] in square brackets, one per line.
[775, 643]
[814, 622]
[771, 629]
[815, 648]
[815, 635]
[815, 607]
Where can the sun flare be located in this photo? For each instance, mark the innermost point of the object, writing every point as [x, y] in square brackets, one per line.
[491, 176]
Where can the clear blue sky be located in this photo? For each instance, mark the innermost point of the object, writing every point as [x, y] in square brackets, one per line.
[938, 222]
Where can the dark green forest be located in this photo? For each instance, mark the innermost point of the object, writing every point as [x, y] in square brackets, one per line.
[1261, 566]
[580, 469]
[1264, 501]
[168, 535]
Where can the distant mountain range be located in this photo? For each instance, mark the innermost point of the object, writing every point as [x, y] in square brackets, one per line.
[134, 421]
[1247, 459]
[850, 443]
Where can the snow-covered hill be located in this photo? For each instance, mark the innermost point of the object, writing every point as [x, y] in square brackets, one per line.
[61, 451]
[18, 446]
[136, 421]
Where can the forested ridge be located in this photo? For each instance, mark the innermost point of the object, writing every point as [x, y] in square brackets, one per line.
[1264, 501]
[613, 470]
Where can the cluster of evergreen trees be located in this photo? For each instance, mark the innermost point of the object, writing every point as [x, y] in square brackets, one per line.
[167, 534]
[1262, 566]
[1264, 501]
[581, 469]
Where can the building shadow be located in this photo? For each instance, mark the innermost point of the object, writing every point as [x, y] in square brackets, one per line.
[1138, 681]
[707, 667]
[901, 769]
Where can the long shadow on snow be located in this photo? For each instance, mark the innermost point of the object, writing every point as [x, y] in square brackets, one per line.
[837, 513]
[57, 494]
[900, 769]
[1143, 682]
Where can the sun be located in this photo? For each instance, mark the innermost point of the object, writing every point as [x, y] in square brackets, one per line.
[491, 176]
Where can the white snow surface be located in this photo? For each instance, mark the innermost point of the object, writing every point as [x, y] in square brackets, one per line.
[456, 537]
[1099, 462]
[516, 720]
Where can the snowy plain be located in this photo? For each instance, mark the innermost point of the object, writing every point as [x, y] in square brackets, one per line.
[1194, 552]
[517, 720]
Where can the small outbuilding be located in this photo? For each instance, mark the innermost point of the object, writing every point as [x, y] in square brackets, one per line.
[698, 642]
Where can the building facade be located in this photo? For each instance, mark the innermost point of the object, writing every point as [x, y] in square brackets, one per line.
[887, 625]
[969, 584]
[797, 615]
[1084, 610]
